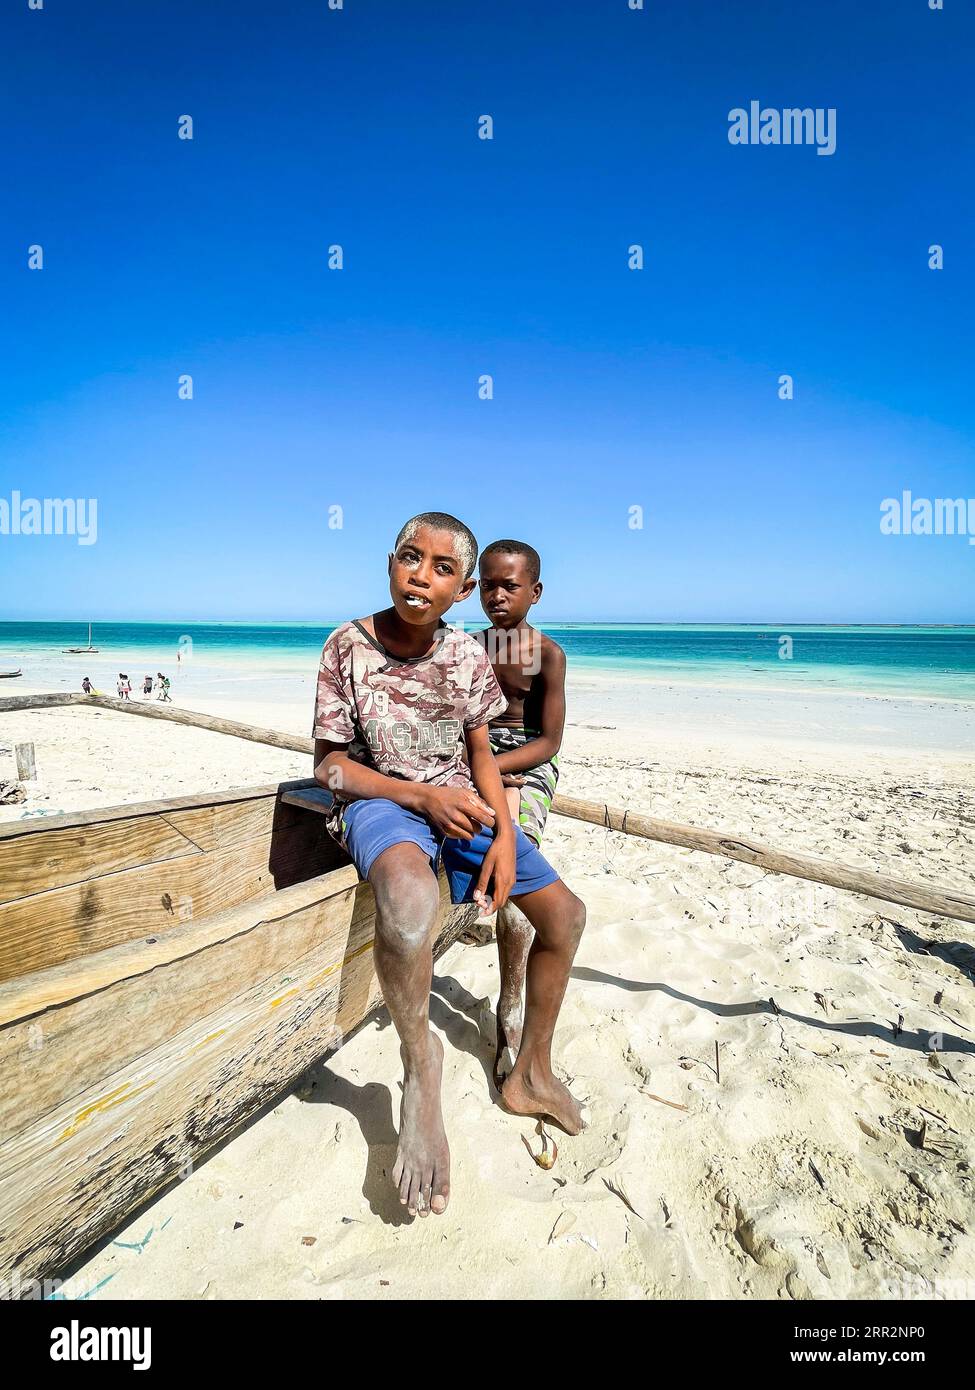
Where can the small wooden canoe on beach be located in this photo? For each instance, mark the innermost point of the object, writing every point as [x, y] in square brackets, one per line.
[9, 675]
[166, 970]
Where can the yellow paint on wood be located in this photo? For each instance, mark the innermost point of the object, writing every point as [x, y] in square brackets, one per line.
[106, 1103]
[313, 981]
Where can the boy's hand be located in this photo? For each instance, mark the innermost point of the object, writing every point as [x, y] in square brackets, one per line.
[512, 779]
[498, 870]
[456, 811]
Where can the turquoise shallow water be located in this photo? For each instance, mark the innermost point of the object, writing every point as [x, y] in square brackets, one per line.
[271, 660]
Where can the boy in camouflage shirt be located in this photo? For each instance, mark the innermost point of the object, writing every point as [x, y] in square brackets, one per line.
[401, 740]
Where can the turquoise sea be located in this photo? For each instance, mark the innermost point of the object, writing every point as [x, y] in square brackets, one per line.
[270, 661]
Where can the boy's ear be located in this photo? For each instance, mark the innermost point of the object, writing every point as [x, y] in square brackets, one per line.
[389, 563]
[536, 591]
[466, 589]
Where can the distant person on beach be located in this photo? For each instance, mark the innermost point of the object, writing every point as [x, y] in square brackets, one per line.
[86, 686]
[401, 740]
[147, 686]
[525, 739]
[124, 686]
[164, 684]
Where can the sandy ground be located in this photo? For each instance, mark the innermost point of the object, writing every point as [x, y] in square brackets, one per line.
[795, 1168]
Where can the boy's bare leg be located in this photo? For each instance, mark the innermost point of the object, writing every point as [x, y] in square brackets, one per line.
[514, 933]
[558, 917]
[407, 899]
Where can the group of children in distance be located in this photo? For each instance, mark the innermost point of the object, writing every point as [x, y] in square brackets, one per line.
[434, 742]
[123, 687]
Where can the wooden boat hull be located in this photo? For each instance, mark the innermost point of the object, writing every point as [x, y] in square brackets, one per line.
[9, 675]
[167, 970]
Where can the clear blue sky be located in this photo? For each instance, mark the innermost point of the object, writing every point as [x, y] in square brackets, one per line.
[612, 388]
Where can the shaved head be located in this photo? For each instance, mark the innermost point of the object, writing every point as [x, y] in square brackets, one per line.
[465, 544]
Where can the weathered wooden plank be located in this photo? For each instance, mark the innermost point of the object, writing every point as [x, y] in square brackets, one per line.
[65, 923]
[925, 897]
[68, 1050]
[292, 743]
[11, 704]
[45, 825]
[34, 864]
[310, 798]
[73, 1174]
[23, 998]
[89, 849]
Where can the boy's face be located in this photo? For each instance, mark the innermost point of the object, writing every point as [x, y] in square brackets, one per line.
[507, 591]
[426, 577]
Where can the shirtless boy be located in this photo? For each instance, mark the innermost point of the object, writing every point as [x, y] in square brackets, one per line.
[526, 738]
[401, 740]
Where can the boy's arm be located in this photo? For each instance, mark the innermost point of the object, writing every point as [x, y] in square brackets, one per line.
[498, 867]
[337, 772]
[456, 810]
[544, 748]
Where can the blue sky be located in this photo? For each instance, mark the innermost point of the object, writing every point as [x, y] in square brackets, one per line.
[358, 387]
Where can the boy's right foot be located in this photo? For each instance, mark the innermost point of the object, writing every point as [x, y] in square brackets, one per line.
[542, 1095]
[422, 1168]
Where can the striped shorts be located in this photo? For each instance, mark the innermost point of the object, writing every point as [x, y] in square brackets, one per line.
[539, 785]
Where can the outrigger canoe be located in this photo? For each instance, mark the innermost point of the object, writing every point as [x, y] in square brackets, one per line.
[166, 969]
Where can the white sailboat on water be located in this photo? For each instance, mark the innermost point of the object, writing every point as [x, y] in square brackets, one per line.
[75, 651]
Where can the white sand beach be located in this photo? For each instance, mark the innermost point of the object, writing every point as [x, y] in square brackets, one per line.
[793, 1169]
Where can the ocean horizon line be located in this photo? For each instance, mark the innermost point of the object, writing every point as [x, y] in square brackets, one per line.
[779, 625]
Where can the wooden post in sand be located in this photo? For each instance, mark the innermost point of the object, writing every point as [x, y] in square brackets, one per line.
[26, 767]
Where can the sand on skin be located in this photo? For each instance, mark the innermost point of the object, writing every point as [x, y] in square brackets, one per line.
[799, 1175]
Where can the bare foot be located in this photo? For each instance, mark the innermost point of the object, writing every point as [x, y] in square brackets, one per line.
[544, 1096]
[422, 1168]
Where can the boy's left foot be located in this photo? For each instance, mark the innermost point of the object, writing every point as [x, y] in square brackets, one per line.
[544, 1097]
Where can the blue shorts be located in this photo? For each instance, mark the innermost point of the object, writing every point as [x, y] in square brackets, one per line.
[375, 823]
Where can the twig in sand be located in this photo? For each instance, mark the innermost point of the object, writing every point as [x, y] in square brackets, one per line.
[935, 1116]
[569, 1220]
[618, 1191]
[897, 1027]
[775, 1008]
[956, 1021]
[672, 1103]
[817, 1175]
[717, 1061]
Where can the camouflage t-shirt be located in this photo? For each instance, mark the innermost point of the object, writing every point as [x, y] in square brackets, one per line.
[404, 716]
